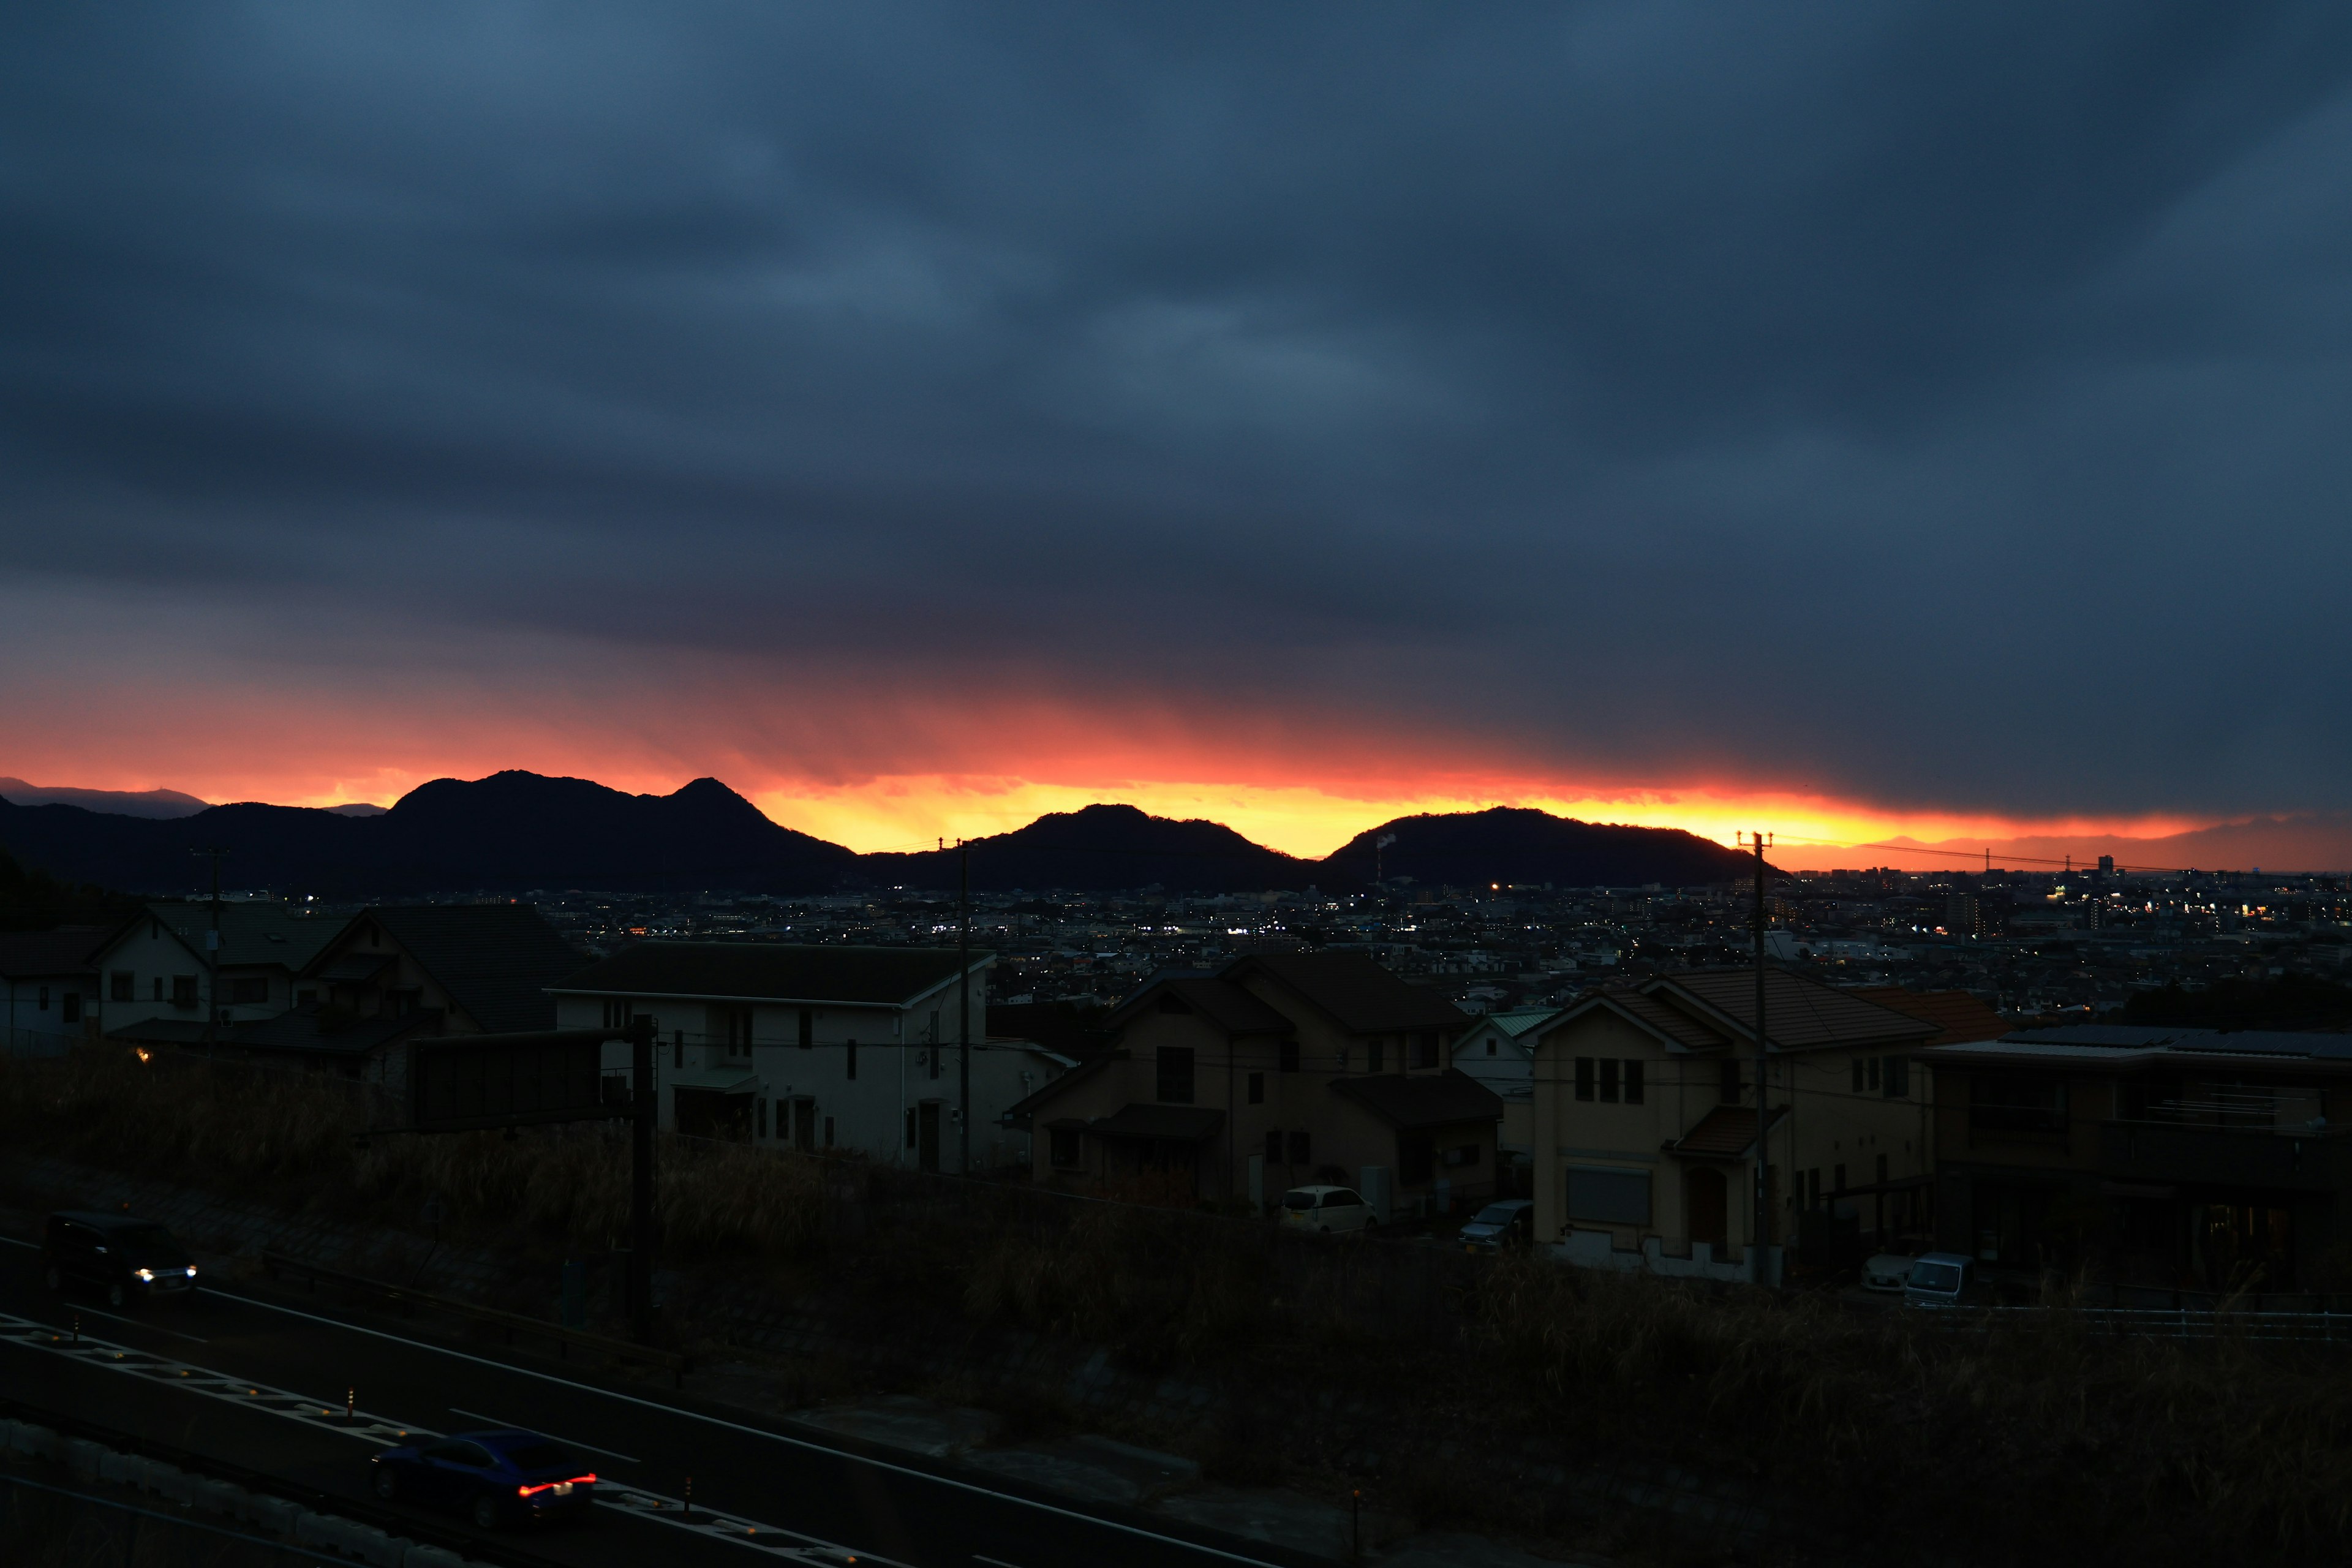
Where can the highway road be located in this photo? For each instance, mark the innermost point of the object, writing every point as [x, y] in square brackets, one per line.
[264, 1384]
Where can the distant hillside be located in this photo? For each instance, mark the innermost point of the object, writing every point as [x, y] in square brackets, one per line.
[1103, 849]
[515, 830]
[162, 803]
[1510, 843]
[510, 831]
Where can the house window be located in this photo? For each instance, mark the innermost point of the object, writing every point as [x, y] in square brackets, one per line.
[1300, 1149]
[159, 988]
[1837, 1174]
[1634, 1081]
[1874, 1072]
[1287, 1055]
[1813, 1180]
[1898, 1078]
[184, 990]
[1584, 1074]
[911, 1127]
[1274, 1148]
[1374, 1052]
[616, 1016]
[1425, 1050]
[45, 999]
[678, 1049]
[808, 1028]
[1062, 1145]
[1490, 1045]
[737, 1022]
[1462, 1155]
[1882, 1169]
[307, 997]
[1859, 1082]
[1609, 1080]
[1731, 1091]
[71, 1002]
[123, 987]
[850, 1060]
[249, 992]
[1175, 1075]
[1343, 1059]
[2020, 1102]
[829, 1131]
[1258, 1088]
[935, 1054]
[760, 1116]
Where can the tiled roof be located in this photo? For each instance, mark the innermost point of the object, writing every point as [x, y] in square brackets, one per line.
[1514, 1024]
[1423, 1099]
[1800, 1013]
[1220, 1002]
[869, 976]
[253, 934]
[1020, 1113]
[33, 953]
[1726, 1132]
[1676, 1027]
[297, 1031]
[1957, 1014]
[495, 960]
[1354, 989]
[1187, 1123]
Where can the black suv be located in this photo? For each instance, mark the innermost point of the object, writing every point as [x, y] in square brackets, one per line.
[129, 1259]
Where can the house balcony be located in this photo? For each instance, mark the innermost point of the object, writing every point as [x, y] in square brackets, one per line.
[2187, 1154]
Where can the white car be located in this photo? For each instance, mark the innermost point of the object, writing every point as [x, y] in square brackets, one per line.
[1887, 1271]
[1331, 1210]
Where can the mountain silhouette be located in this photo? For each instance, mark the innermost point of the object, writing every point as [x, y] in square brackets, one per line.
[515, 831]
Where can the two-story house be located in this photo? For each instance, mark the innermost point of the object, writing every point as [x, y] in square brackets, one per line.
[48, 988]
[816, 1048]
[1498, 1051]
[478, 968]
[2173, 1158]
[1645, 1120]
[1276, 1071]
[159, 966]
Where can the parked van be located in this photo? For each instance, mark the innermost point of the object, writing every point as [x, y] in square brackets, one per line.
[1333, 1211]
[1941, 1280]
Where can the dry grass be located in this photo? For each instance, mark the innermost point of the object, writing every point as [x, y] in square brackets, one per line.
[2042, 1443]
[253, 1131]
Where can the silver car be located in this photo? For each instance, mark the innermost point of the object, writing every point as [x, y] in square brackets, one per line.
[1333, 1211]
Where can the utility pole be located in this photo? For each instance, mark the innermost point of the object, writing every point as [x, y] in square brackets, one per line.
[963, 992]
[645, 1109]
[1758, 1265]
[211, 955]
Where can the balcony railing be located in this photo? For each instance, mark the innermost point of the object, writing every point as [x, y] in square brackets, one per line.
[2177, 1153]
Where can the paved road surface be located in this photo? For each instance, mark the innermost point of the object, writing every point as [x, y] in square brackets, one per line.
[264, 1386]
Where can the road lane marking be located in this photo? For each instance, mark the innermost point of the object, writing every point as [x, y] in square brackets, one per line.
[142, 1323]
[775, 1541]
[949, 1481]
[567, 1441]
[827, 1450]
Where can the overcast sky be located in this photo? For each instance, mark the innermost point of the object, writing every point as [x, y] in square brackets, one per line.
[1934, 406]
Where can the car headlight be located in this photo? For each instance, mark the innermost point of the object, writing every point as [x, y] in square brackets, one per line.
[192, 1272]
[146, 1275]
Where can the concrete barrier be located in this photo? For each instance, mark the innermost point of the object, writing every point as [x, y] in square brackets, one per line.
[431, 1557]
[218, 1497]
[82, 1457]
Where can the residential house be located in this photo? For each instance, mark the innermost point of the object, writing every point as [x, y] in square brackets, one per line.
[817, 1047]
[1497, 1051]
[2173, 1158]
[50, 981]
[1276, 1071]
[478, 968]
[1645, 1119]
[159, 964]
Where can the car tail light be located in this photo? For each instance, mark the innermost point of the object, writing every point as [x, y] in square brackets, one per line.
[588, 1480]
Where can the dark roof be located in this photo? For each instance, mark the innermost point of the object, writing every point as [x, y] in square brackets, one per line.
[1055, 1026]
[1725, 1132]
[1800, 1013]
[1020, 1113]
[1355, 990]
[353, 967]
[72, 951]
[295, 1032]
[770, 971]
[253, 933]
[495, 960]
[1957, 1014]
[1423, 1099]
[1220, 1002]
[1675, 1025]
[1189, 1123]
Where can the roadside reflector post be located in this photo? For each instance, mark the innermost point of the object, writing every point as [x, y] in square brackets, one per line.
[689, 1503]
[350, 1403]
[77, 1328]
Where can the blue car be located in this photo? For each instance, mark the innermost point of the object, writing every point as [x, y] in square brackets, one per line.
[498, 1478]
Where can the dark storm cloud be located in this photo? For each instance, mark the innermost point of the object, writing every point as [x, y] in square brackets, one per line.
[1942, 405]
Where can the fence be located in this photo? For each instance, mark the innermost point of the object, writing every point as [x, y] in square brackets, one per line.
[2178, 1323]
[24, 1042]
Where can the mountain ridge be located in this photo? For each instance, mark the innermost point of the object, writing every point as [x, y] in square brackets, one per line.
[516, 830]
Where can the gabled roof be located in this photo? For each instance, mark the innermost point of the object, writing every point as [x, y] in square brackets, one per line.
[1182, 1123]
[31, 954]
[253, 934]
[1513, 1025]
[1020, 1113]
[495, 960]
[772, 972]
[1957, 1014]
[1726, 1132]
[1223, 1004]
[1800, 1014]
[1354, 990]
[1677, 1029]
[1423, 1099]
